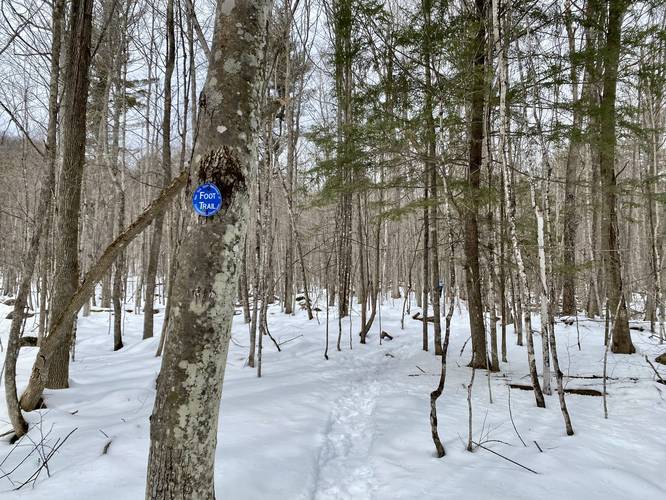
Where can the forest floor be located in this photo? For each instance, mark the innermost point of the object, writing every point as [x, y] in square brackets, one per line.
[356, 426]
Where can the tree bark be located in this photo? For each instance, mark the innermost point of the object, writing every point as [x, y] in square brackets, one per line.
[522, 298]
[292, 139]
[117, 173]
[431, 172]
[543, 293]
[569, 216]
[189, 387]
[472, 270]
[434, 395]
[621, 337]
[65, 280]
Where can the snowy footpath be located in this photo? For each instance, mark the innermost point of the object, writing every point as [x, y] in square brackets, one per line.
[354, 427]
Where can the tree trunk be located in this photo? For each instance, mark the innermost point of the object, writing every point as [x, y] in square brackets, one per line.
[522, 298]
[158, 224]
[425, 275]
[570, 216]
[184, 421]
[621, 337]
[472, 276]
[13, 343]
[243, 292]
[117, 173]
[431, 172]
[434, 395]
[66, 277]
[292, 139]
[342, 21]
[543, 294]
[363, 278]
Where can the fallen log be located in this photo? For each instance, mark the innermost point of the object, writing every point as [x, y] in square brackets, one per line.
[418, 317]
[385, 335]
[569, 390]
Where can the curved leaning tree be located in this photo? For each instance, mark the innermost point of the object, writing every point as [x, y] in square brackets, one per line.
[183, 427]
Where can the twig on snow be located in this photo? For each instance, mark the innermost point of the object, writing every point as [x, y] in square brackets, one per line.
[505, 458]
[289, 340]
[655, 370]
[512, 422]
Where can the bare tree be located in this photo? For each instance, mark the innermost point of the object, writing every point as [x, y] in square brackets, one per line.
[68, 195]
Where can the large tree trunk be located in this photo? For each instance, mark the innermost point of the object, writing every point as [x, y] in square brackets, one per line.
[342, 21]
[612, 260]
[570, 217]
[184, 421]
[65, 280]
[472, 277]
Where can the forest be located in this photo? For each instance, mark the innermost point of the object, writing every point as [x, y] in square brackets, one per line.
[421, 244]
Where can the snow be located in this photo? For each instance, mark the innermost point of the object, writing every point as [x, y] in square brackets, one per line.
[355, 426]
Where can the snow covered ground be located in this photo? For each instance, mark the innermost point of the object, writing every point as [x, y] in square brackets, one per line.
[356, 426]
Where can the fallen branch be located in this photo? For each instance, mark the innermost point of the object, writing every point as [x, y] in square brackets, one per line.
[418, 317]
[568, 390]
[45, 461]
[57, 333]
[289, 340]
[593, 377]
[505, 458]
[661, 380]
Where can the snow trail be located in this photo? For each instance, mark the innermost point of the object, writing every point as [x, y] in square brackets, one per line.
[344, 467]
[354, 427]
